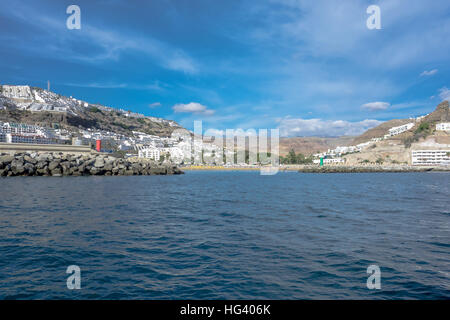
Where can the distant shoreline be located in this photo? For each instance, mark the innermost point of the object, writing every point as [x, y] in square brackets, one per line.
[326, 169]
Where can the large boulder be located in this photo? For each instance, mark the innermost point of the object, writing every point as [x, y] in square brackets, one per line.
[43, 157]
[158, 170]
[99, 163]
[6, 159]
[17, 168]
[29, 168]
[43, 171]
[56, 172]
[41, 164]
[65, 165]
[29, 159]
[53, 165]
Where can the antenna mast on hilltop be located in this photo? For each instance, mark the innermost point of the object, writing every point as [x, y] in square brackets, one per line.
[48, 85]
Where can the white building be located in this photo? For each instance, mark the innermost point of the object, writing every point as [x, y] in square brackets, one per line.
[150, 153]
[333, 161]
[330, 161]
[400, 129]
[443, 126]
[18, 93]
[430, 157]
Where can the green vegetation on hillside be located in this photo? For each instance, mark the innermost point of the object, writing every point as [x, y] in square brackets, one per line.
[424, 127]
[422, 131]
[293, 158]
[95, 110]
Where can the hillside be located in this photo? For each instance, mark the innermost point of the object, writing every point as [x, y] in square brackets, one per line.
[380, 130]
[397, 149]
[311, 145]
[37, 106]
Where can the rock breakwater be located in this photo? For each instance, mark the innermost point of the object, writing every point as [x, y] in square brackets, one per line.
[363, 169]
[59, 164]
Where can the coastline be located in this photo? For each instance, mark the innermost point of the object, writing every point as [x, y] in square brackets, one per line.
[326, 169]
[373, 169]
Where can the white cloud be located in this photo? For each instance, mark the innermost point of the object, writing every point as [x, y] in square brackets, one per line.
[444, 94]
[193, 107]
[429, 73]
[324, 128]
[214, 133]
[155, 105]
[376, 106]
[97, 85]
[113, 85]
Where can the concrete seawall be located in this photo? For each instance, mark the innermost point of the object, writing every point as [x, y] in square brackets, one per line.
[12, 148]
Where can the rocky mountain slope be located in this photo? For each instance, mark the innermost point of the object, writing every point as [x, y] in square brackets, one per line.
[380, 130]
[397, 149]
[311, 145]
[32, 105]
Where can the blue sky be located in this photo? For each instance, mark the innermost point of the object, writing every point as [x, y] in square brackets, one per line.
[306, 67]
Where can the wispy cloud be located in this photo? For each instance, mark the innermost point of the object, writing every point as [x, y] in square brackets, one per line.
[375, 106]
[100, 44]
[429, 73]
[154, 105]
[192, 107]
[318, 127]
[156, 86]
[444, 94]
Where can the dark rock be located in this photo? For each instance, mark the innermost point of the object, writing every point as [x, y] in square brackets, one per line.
[57, 164]
[99, 163]
[43, 171]
[29, 159]
[41, 164]
[56, 172]
[53, 165]
[6, 159]
[29, 168]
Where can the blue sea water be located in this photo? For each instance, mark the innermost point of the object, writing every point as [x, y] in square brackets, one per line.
[226, 235]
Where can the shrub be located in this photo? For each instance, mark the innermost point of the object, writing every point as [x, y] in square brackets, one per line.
[424, 127]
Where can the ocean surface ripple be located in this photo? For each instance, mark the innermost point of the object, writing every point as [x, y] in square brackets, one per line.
[226, 235]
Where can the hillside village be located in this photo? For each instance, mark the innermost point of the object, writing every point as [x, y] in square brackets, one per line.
[423, 140]
[34, 115]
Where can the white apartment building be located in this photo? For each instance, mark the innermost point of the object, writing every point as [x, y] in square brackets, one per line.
[150, 153]
[18, 93]
[430, 157]
[400, 129]
[330, 161]
[443, 126]
[333, 161]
